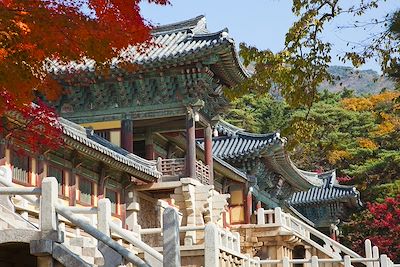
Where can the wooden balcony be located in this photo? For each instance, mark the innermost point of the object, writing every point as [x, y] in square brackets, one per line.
[174, 169]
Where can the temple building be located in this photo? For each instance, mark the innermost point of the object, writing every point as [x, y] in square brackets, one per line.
[145, 140]
[327, 205]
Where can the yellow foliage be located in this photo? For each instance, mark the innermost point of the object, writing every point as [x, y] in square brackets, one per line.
[384, 97]
[337, 155]
[368, 103]
[390, 124]
[367, 143]
[357, 104]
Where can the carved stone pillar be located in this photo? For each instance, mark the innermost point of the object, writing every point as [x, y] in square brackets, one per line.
[190, 145]
[132, 210]
[208, 151]
[127, 135]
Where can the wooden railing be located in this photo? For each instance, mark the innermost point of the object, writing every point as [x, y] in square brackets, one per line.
[173, 169]
[202, 172]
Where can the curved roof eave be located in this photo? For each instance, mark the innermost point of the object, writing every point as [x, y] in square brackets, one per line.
[79, 134]
[282, 163]
[174, 43]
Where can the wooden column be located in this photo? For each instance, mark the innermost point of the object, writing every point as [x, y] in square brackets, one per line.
[2, 148]
[101, 184]
[72, 187]
[249, 207]
[127, 135]
[149, 145]
[208, 151]
[190, 145]
[123, 208]
[40, 170]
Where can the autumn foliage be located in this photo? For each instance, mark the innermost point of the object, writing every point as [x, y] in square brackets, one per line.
[35, 125]
[36, 33]
[380, 223]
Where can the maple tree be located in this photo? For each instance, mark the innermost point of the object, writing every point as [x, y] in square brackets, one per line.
[380, 223]
[36, 34]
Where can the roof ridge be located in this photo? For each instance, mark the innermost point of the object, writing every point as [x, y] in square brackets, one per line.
[188, 24]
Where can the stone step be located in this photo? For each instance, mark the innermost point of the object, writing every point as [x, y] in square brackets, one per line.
[91, 252]
[88, 259]
[81, 242]
[13, 222]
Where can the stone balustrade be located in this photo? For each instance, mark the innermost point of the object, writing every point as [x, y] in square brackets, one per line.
[51, 231]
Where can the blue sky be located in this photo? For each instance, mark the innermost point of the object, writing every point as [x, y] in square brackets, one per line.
[262, 23]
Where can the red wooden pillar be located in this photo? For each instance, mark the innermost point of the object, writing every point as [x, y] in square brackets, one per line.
[101, 184]
[40, 170]
[149, 146]
[72, 188]
[190, 145]
[249, 207]
[127, 135]
[123, 208]
[2, 148]
[208, 151]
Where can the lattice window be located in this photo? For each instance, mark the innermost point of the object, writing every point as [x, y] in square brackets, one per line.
[59, 175]
[85, 191]
[113, 197]
[20, 167]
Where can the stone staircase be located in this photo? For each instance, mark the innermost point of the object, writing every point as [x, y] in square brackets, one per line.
[83, 247]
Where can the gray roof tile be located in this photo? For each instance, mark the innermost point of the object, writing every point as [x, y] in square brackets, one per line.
[86, 137]
[331, 190]
[171, 42]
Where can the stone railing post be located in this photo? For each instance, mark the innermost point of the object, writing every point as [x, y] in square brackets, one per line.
[375, 254]
[368, 252]
[236, 242]
[48, 217]
[314, 261]
[278, 216]
[285, 262]
[211, 246]
[260, 216]
[384, 261]
[171, 247]
[346, 261]
[104, 216]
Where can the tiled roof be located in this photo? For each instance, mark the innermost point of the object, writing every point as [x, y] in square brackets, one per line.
[236, 147]
[329, 191]
[174, 42]
[91, 140]
[239, 145]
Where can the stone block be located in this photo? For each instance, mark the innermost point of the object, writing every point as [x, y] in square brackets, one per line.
[41, 247]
